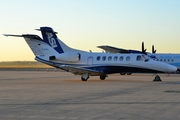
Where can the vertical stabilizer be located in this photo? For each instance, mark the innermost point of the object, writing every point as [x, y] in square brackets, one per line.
[49, 36]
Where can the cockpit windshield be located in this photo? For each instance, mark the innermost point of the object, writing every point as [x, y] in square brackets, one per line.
[145, 57]
[142, 58]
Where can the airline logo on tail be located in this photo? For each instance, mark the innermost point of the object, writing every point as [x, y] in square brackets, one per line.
[49, 36]
[51, 40]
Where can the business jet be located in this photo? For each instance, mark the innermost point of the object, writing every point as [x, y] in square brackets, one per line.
[170, 58]
[52, 51]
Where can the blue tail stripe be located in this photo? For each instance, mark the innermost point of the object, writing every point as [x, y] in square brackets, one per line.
[50, 37]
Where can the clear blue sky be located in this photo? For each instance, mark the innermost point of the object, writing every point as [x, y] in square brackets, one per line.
[85, 24]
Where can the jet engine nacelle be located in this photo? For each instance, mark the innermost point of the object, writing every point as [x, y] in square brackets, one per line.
[67, 57]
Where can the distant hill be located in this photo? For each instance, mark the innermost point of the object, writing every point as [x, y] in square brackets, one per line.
[23, 64]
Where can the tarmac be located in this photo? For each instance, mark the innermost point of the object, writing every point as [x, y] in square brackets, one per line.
[55, 95]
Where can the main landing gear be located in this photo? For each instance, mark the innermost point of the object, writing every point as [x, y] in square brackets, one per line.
[85, 77]
[102, 77]
[157, 79]
[123, 73]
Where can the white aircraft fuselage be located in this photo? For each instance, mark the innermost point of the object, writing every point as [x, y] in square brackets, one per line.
[170, 58]
[52, 51]
[107, 62]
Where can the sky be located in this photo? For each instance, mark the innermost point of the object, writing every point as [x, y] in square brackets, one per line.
[86, 24]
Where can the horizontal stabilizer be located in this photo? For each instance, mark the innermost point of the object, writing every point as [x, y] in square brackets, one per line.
[46, 29]
[7, 35]
[32, 36]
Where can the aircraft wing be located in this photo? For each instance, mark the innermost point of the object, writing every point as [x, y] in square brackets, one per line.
[111, 49]
[80, 70]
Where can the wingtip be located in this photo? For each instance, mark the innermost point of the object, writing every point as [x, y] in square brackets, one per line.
[6, 35]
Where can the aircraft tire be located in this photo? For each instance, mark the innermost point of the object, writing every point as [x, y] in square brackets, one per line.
[157, 79]
[102, 77]
[128, 73]
[84, 79]
[122, 73]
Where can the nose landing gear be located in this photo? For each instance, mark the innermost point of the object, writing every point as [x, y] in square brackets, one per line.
[157, 79]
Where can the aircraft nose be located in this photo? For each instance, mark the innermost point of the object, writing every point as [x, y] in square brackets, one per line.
[172, 68]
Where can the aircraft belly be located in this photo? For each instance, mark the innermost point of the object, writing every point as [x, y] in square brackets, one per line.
[119, 69]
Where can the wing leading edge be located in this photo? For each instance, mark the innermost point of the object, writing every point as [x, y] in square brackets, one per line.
[80, 70]
[111, 49]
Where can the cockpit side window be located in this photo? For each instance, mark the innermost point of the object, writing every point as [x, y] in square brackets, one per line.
[139, 58]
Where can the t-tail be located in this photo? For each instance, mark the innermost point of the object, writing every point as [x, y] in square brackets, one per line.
[50, 37]
[50, 48]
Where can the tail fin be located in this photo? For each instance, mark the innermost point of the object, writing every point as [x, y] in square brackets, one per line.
[49, 36]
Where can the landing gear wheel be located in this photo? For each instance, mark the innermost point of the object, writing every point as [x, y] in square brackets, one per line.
[102, 77]
[128, 73]
[83, 79]
[122, 73]
[157, 79]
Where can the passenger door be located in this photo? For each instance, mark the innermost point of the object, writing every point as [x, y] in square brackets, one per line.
[90, 60]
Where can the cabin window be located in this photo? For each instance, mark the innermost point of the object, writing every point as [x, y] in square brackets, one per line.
[115, 58]
[121, 58]
[104, 58]
[164, 60]
[161, 60]
[157, 59]
[98, 58]
[127, 58]
[138, 58]
[168, 60]
[172, 60]
[109, 58]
